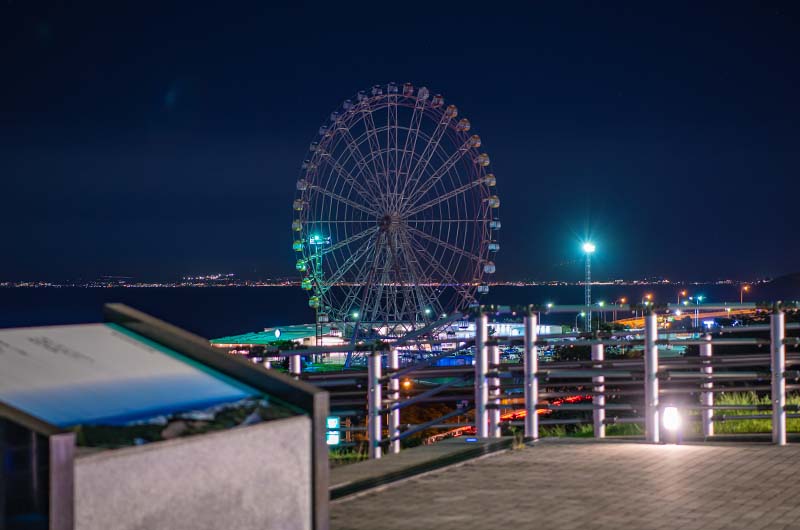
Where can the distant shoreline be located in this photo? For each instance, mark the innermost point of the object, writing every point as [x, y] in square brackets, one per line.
[296, 283]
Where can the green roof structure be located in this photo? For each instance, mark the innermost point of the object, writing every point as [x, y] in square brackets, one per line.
[272, 335]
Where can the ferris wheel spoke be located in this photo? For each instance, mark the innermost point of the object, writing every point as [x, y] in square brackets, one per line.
[444, 244]
[444, 197]
[411, 137]
[361, 162]
[350, 262]
[404, 285]
[348, 241]
[344, 200]
[454, 282]
[347, 177]
[367, 288]
[372, 139]
[416, 195]
[391, 144]
[427, 153]
[423, 295]
[352, 295]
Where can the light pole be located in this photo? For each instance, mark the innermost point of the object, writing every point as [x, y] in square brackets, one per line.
[622, 301]
[697, 301]
[588, 250]
[743, 290]
[681, 293]
[539, 316]
[581, 314]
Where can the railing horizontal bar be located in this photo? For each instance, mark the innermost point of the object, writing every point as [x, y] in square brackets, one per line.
[576, 406]
[713, 342]
[616, 421]
[421, 397]
[334, 382]
[588, 372]
[411, 369]
[696, 389]
[736, 417]
[564, 421]
[715, 375]
[427, 425]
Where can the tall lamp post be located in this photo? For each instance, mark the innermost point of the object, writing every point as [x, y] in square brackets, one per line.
[581, 314]
[588, 250]
[744, 289]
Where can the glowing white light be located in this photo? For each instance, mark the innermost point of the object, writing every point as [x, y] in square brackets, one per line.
[588, 247]
[671, 419]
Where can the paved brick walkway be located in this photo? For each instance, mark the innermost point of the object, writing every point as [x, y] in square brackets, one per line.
[588, 485]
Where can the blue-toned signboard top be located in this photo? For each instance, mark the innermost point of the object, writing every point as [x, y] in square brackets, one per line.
[103, 374]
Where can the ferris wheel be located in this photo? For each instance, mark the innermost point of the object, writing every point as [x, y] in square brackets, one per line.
[395, 216]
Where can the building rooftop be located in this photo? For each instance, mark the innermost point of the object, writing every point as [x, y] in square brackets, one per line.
[272, 335]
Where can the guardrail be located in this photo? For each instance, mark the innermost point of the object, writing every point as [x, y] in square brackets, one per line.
[648, 385]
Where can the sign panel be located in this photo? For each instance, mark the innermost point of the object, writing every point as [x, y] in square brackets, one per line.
[103, 373]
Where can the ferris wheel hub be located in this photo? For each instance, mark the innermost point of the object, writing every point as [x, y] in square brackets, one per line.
[389, 222]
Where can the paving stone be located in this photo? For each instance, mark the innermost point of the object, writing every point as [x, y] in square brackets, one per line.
[593, 485]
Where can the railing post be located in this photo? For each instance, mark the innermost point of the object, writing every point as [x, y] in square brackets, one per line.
[599, 396]
[494, 391]
[374, 404]
[394, 395]
[707, 398]
[481, 390]
[651, 378]
[295, 366]
[531, 361]
[778, 350]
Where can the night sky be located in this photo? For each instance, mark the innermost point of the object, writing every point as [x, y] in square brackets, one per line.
[154, 140]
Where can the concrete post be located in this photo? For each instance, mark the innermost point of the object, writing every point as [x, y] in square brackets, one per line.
[599, 399]
[707, 398]
[481, 365]
[531, 361]
[778, 350]
[651, 378]
[295, 366]
[394, 395]
[494, 392]
[374, 404]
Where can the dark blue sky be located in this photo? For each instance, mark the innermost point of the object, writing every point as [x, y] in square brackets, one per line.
[154, 140]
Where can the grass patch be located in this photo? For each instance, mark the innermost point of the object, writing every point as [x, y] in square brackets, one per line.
[587, 431]
[346, 455]
[750, 426]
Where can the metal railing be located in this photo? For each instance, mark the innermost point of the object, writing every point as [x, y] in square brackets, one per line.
[646, 384]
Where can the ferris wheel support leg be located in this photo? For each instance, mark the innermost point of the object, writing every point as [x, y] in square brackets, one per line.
[481, 366]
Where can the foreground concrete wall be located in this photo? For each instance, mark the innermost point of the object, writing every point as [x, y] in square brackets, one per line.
[251, 477]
